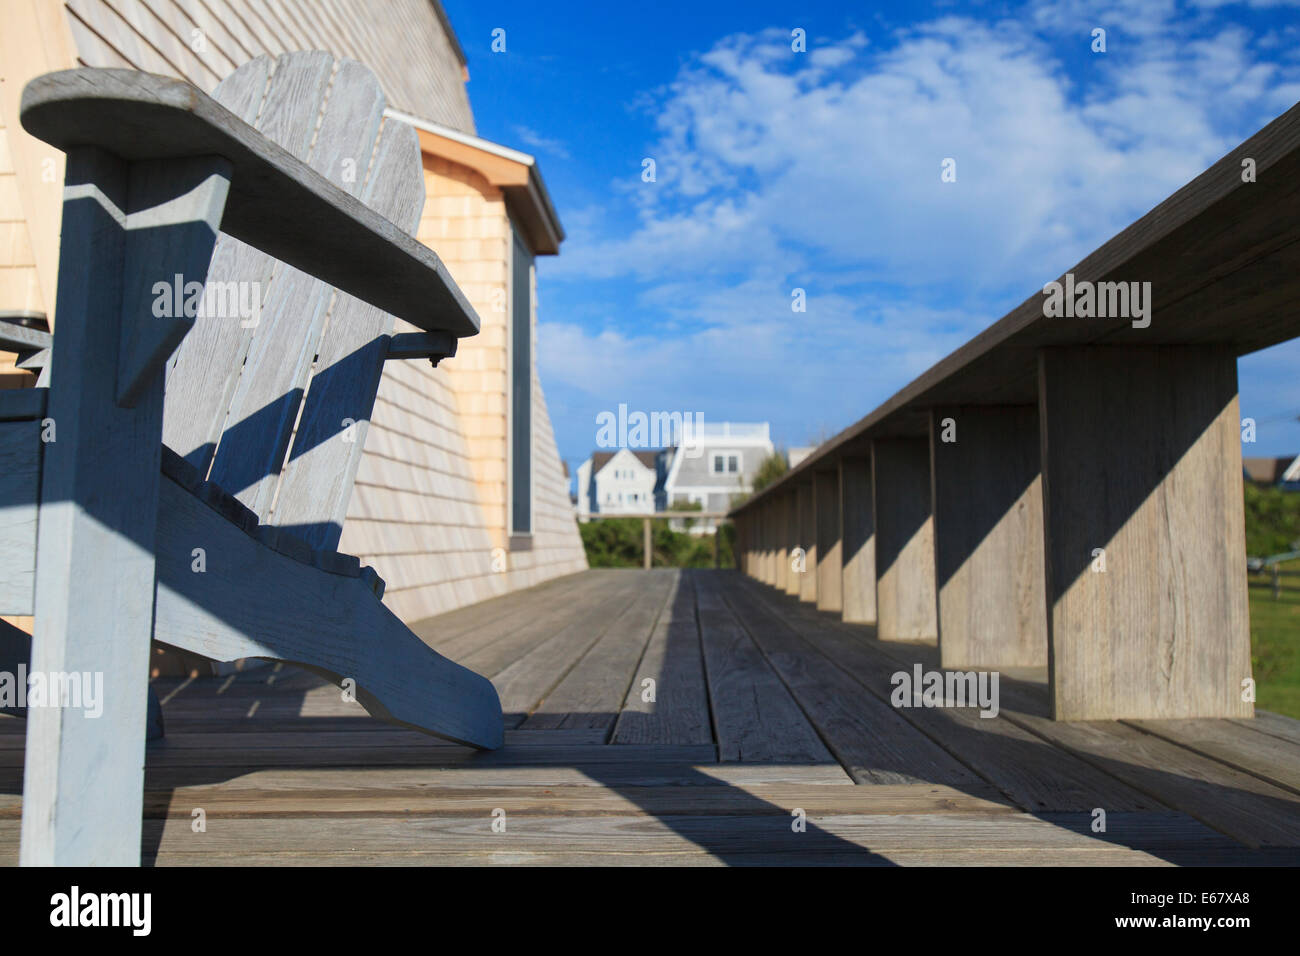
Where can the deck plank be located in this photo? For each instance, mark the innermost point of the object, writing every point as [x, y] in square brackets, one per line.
[590, 694]
[769, 799]
[1275, 725]
[755, 717]
[1269, 758]
[1036, 776]
[723, 835]
[533, 674]
[868, 737]
[1249, 809]
[475, 628]
[674, 660]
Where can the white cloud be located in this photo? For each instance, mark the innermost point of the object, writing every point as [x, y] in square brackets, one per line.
[535, 140]
[822, 171]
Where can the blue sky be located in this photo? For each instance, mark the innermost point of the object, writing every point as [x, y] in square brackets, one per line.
[778, 170]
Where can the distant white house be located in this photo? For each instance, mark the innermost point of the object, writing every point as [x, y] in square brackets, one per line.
[798, 454]
[620, 482]
[719, 461]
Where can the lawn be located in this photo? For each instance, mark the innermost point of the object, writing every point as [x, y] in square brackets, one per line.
[1275, 649]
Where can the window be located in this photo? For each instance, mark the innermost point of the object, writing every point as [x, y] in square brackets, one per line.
[521, 390]
[727, 463]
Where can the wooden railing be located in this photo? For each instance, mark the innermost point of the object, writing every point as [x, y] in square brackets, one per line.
[1070, 482]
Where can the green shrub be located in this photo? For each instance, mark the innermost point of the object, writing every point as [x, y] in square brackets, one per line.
[617, 543]
[1272, 521]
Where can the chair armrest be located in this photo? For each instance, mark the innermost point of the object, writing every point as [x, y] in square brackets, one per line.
[277, 203]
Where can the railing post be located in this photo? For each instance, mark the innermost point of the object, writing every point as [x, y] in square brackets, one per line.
[742, 545]
[781, 547]
[988, 536]
[765, 548]
[790, 529]
[807, 504]
[858, 541]
[1144, 518]
[905, 600]
[827, 498]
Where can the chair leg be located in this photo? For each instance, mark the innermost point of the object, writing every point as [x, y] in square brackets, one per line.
[125, 226]
[16, 659]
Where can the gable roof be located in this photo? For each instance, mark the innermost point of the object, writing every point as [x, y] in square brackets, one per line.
[516, 174]
[599, 459]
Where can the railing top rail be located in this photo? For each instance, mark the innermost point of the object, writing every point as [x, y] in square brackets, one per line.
[715, 515]
[1222, 257]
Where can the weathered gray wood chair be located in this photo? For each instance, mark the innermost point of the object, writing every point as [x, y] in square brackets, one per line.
[270, 335]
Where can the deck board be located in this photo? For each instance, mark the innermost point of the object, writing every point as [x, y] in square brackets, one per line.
[755, 717]
[861, 730]
[762, 705]
[674, 660]
[590, 694]
[1035, 776]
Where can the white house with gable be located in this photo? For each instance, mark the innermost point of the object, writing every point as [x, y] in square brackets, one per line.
[618, 482]
[719, 461]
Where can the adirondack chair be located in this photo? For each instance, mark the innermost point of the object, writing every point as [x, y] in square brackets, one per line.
[207, 514]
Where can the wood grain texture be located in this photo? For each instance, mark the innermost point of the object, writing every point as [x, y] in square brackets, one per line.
[254, 602]
[807, 505]
[788, 528]
[988, 536]
[755, 718]
[826, 498]
[279, 204]
[1141, 459]
[1221, 253]
[94, 576]
[173, 225]
[592, 692]
[998, 753]
[20, 482]
[862, 732]
[1239, 804]
[679, 710]
[1269, 758]
[781, 548]
[204, 373]
[831, 837]
[858, 541]
[905, 577]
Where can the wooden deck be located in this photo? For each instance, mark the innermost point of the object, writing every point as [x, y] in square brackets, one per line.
[762, 705]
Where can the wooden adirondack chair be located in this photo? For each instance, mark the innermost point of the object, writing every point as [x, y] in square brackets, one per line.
[223, 540]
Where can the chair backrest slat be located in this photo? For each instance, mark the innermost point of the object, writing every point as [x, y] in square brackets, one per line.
[234, 393]
[205, 370]
[317, 481]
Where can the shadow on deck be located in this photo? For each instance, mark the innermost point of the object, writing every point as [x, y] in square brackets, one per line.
[670, 717]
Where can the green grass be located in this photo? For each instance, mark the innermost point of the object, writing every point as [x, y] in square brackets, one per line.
[1275, 647]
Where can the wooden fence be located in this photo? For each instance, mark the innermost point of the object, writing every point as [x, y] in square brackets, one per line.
[1271, 577]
